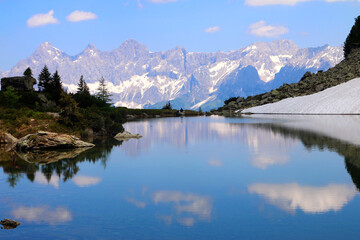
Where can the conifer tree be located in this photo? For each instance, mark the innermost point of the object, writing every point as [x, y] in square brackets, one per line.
[167, 106]
[82, 86]
[56, 87]
[353, 39]
[45, 80]
[102, 91]
[28, 72]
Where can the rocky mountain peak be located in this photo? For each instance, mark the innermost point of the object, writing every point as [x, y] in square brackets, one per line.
[131, 49]
[91, 46]
[46, 49]
[90, 50]
[139, 77]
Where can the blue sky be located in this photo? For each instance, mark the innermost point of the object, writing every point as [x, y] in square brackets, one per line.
[197, 25]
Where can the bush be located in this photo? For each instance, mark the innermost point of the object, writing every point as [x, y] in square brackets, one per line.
[10, 97]
[232, 99]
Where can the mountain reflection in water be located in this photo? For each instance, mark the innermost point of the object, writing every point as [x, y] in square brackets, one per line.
[194, 178]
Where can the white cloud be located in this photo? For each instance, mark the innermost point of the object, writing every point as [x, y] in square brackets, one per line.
[260, 29]
[84, 181]
[161, 1]
[290, 197]
[257, 3]
[43, 214]
[42, 19]
[77, 16]
[212, 29]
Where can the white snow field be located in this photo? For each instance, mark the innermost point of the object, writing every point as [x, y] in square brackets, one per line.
[341, 99]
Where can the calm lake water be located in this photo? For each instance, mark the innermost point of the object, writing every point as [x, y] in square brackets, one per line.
[194, 178]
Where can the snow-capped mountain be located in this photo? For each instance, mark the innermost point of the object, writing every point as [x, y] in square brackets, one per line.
[140, 78]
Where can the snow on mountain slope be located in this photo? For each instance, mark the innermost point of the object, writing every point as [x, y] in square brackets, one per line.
[341, 99]
[138, 77]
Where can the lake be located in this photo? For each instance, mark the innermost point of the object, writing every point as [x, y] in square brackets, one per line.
[258, 177]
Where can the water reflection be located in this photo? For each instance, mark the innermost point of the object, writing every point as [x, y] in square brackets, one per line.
[86, 181]
[195, 204]
[41, 179]
[50, 167]
[266, 147]
[186, 208]
[43, 214]
[292, 196]
[348, 148]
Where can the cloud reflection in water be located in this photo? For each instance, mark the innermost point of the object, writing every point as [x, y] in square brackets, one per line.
[43, 214]
[292, 196]
[196, 205]
[85, 181]
[41, 179]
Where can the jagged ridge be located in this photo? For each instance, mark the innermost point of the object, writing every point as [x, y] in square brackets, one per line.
[138, 77]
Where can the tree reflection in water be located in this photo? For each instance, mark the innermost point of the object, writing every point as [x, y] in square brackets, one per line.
[62, 163]
[311, 140]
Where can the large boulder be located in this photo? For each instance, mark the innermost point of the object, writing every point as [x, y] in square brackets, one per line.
[50, 140]
[127, 135]
[18, 83]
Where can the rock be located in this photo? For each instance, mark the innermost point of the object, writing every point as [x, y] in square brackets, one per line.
[9, 224]
[7, 138]
[126, 135]
[18, 83]
[46, 103]
[8, 141]
[49, 140]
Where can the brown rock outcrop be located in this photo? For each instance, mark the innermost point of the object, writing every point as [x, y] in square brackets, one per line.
[50, 140]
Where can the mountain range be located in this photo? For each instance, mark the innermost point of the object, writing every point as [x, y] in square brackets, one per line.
[140, 78]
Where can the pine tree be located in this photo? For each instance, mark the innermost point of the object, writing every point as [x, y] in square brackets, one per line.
[56, 87]
[167, 106]
[353, 39]
[45, 80]
[83, 87]
[28, 72]
[102, 91]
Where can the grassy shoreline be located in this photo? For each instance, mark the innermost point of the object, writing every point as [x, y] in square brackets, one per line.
[22, 121]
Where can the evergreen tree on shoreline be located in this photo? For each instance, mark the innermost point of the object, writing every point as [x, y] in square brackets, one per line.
[353, 39]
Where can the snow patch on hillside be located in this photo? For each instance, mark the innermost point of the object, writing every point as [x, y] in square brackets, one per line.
[341, 99]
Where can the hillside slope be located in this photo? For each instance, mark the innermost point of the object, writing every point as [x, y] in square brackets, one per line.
[309, 84]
